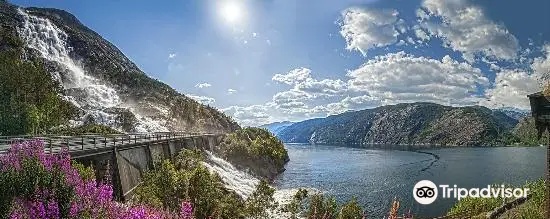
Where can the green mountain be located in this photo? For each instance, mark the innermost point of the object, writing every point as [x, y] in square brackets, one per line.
[407, 123]
[57, 72]
[525, 133]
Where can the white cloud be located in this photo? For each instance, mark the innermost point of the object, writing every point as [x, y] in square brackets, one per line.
[294, 76]
[494, 67]
[172, 55]
[511, 89]
[410, 40]
[202, 99]
[291, 96]
[231, 91]
[466, 29]
[353, 103]
[420, 34]
[541, 65]
[398, 77]
[269, 112]
[401, 26]
[401, 43]
[422, 15]
[306, 88]
[253, 115]
[368, 28]
[303, 100]
[203, 85]
[325, 86]
[388, 79]
[512, 86]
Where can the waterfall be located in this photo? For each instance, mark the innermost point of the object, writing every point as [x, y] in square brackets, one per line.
[244, 184]
[240, 182]
[51, 43]
[83, 90]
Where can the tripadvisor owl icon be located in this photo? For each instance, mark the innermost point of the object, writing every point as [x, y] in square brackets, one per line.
[425, 192]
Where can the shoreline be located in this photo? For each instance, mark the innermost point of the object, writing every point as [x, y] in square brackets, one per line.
[410, 147]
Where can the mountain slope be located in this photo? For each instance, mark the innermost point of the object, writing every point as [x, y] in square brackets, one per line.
[91, 74]
[515, 113]
[525, 133]
[403, 124]
[276, 127]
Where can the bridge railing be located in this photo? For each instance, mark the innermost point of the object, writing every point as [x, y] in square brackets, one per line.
[54, 143]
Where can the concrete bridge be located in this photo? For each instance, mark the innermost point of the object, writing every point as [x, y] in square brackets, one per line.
[121, 158]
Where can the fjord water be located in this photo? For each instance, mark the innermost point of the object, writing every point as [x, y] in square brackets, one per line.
[375, 177]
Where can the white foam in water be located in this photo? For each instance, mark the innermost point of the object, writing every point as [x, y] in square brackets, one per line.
[244, 184]
[51, 42]
[147, 124]
[240, 182]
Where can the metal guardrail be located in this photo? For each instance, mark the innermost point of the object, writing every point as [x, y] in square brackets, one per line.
[54, 143]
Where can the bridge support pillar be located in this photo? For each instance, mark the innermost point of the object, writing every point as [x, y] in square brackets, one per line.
[117, 184]
[172, 148]
[149, 154]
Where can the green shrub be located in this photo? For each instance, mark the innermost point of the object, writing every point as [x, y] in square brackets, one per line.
[163, 187]
[535, 207]
[261, 202]
[29, 97]
[525, 133]
[256, 148]
[86, 173]
[351, 210]
[319, 205]
[532, 208]
[297, 204]
[186, 179]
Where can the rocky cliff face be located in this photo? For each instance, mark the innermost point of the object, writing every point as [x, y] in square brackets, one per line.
[410, 123]
[104, 85]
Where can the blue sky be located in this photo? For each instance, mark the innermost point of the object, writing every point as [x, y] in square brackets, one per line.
[267, 61]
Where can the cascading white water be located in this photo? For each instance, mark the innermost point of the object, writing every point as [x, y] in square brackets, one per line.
[51, 42]
[95, 97]
[240, 182]
[244, 184]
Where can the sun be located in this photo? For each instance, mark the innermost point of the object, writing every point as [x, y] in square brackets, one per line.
[231, 12]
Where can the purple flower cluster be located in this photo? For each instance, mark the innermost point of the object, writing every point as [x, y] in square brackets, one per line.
[186, 211]
[85, 199]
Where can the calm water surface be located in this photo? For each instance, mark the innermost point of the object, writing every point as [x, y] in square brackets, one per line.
[375, 177]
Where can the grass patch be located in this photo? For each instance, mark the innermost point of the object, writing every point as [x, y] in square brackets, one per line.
[532, 208]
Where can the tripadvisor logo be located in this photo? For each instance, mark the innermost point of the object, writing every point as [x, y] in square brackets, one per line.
[425, 192]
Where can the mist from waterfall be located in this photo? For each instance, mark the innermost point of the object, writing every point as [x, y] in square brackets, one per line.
[244, 184]
[94, 97]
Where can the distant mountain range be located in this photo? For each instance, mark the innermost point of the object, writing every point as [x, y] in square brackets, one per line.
[411, 123]
[515, 113]
[276, 127]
